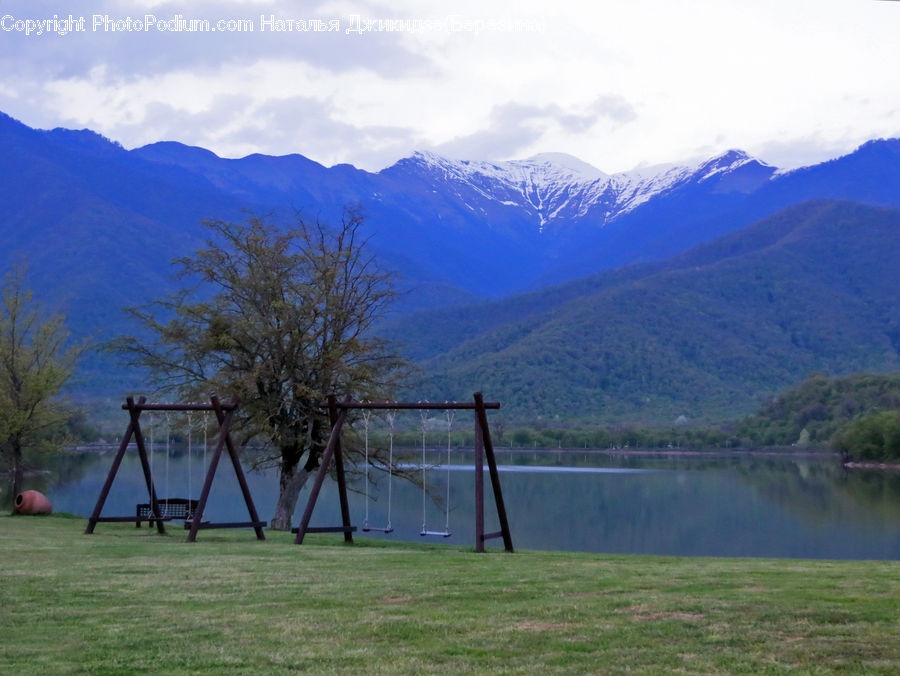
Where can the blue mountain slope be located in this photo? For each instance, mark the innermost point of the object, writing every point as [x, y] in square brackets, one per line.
[100, 225]
[493, 229]
[95, 225]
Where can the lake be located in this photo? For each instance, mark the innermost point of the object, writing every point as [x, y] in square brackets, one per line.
[739, 504]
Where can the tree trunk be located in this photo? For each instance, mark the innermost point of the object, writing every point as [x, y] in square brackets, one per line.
[17, 473]
[292, 480]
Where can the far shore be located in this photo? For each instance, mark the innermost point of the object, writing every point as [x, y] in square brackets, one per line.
[665, 450]
[780, 451]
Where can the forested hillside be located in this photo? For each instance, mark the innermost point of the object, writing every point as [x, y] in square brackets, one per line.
[822, 407]
[710, 334]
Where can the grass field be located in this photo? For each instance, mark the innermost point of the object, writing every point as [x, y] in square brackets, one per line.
[126, 601]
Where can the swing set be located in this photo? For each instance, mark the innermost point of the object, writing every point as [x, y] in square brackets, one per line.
[484, 449]
[157, 511]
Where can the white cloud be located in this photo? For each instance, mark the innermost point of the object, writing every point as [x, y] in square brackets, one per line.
[617, 82]
[514, 128]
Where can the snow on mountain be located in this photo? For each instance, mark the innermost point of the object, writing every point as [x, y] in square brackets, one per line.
[639, 185]
[556, 186]
[547, 186]
[634, 188]
[564, 160]
[724, 162]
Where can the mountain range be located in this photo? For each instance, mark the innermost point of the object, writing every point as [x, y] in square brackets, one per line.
[523, 241]
[708, 335]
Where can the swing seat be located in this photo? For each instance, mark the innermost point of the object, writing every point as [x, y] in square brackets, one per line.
[388, 529]
[436, 533]
[169, 508]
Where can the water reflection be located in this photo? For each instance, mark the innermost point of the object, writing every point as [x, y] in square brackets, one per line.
[688, 505]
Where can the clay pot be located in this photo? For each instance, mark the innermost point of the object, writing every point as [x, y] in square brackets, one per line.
[32, 502]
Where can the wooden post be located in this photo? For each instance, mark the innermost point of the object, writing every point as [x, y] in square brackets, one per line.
[481, 415]
[320, 475]
[479, 487]
[339, 467]
[197, 517]
[145, 463]
[104, 492]
[235, 461]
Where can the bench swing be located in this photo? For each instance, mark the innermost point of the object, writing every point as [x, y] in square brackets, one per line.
[172, 508]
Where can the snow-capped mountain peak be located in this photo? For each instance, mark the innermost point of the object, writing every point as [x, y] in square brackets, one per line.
[568, 162]
[548, 186]
[727, 161]
[543, 168]
[555, 186]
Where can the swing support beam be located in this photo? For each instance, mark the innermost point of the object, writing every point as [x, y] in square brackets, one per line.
[224, 414]
[484, 450]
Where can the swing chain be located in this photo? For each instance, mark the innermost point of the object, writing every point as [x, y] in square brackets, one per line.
[190, 427]
[365, 416]
[168, 439]
[450, 414]
[390, 418]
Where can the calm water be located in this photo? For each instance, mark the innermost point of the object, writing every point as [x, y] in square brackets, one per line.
[723, 505]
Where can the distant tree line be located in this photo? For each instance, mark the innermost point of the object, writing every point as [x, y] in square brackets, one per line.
[872, 437]
[857, 415]
[593, 438]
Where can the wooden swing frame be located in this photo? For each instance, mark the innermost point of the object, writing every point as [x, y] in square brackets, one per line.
[224, 414]
[484, 449]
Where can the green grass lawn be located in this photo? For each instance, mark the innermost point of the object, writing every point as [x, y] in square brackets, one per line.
[125, 601]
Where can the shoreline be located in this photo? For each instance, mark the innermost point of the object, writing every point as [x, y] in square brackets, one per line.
[775, 451]
[768, 451]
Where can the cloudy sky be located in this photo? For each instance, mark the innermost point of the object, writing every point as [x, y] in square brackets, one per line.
[618, 83]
